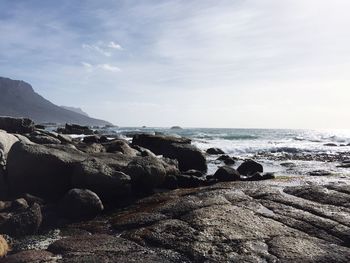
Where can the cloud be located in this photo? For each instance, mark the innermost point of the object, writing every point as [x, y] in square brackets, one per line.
[97, 49]
[114, 45]
[106, 67]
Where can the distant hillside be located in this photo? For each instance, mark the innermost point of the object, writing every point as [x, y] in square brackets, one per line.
[18, 99]
[77, 110]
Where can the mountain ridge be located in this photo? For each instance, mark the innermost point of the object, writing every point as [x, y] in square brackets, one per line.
[19, 99]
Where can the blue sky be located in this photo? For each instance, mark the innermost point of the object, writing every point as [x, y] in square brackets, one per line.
[199, 63]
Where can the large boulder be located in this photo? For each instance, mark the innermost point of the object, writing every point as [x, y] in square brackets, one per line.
[120, 146]
[42, 170]
[250, 167]
[188, 156]
[81, 204]
[6, 142]
[97, 176]
[16, 125]
[227, 173]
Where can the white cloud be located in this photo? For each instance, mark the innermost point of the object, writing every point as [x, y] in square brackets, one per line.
[114, 45]
[97, 49]
[108, 67]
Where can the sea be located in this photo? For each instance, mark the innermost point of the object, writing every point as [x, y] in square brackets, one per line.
[285, 152]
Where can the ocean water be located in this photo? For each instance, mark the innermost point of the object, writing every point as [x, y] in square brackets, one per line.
[284, 151]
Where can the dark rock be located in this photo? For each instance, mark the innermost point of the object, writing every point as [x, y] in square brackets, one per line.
[188, 181]
[16, 125]
[102, 179]
[30, 256]
[288, 164]
[175, 128]
[215, 151]
[268, 176]
[158, 144]
[227, 159]
[320, 173]
[91, 147]
[227, 173]
[31, 199]
[193, 173]
[170, 182]
[143, 151]
[81, 204]
[255, 177]
[330, 144]
[39, 126]
[91, 139]
[42, 170]
[3, 184]
[103, 139]
[24, 222]
[19, 204]
[250, 167]
[6, 142]
[75, 129]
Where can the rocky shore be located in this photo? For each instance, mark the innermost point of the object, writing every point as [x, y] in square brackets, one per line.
[98, 199]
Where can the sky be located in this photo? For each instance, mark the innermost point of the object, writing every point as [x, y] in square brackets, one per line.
[193, 63]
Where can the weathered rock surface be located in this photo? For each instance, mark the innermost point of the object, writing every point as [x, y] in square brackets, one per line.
[75, 129]
[6, 142]
[81, 204]
[31, 256]
[227, 173]
[16, 125]
[268, 221]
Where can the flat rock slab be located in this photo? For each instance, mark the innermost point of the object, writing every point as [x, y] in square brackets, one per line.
[229, 222]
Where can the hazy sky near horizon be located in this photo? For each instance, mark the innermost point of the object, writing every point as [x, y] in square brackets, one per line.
[197, 63]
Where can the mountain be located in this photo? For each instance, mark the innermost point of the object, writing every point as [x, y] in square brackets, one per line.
[75, 109]
[18, 99]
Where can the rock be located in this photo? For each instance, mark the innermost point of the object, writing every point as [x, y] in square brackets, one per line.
[120, 146]
[188, 156]
[21, 223]
[215, 151]
[30, 256]
[3, 184]
[91, 147]
[43, 139]
[75, 129]
[102, 179]
[330, 144]
[143, 151]
[4, 247]
[188, 181]
[170, 182]
[107, 248]
[344, 165]
[249, 167]
[91, 139]
[269, 176]
[227, 159]
[194, 173]
[19, 204]
[175, 128]
[158, 144]
[16, 125]
[42, 170]
[255, 177]
[320, 173]
[227, 173]
[6, 142]
[81, 204]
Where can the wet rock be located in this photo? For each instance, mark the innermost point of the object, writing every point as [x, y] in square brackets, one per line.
[215, 151]
[255, 177]
[23, 222]
[227, 173]
[30, 256]
[102, 179]
[249, 167]
[16, 125]
[42, 170]
[75, 129]
[81, 204]
[227, 159]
